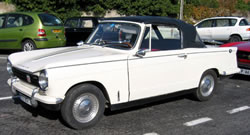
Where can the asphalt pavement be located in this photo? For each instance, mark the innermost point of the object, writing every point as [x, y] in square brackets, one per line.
[227, 113]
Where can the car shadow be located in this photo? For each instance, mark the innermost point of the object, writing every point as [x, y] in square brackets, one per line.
[56, 115]
[40, 111]
[240, 77]
[165, 99]
[8, 52]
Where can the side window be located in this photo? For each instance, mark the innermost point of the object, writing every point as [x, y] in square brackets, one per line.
[87, 24]
[168, 32]
[205, 24]
[72, 23]
[233, 22]
[2, 18]
[169, 38]
[27, 20]
[14, 21]
[162, 38]
[243, 22]
[222, 23]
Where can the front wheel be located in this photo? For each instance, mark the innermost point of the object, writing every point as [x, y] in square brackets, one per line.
[207, 86]
[83, 106]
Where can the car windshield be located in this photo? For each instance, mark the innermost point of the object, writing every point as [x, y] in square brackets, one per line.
[115, 35]
[50, 20]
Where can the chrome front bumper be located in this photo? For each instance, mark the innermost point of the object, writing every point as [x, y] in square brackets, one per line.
[32, 92]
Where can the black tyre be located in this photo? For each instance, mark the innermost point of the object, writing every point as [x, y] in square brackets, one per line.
[235, 38]
[207, 86]
[83, 106]
[28, 45]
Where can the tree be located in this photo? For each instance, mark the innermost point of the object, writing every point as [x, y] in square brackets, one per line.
[132, 7]
[146, 7]
[204, 3]
[228, 4]
[243, 7]
[61, 8]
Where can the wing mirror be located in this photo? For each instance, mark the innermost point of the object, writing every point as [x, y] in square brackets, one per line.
[80, 43]
[141, 53]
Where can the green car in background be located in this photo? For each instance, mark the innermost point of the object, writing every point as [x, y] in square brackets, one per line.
[29, 31]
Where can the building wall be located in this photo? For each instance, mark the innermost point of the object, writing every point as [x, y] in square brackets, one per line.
[4, 7]
[111, 13]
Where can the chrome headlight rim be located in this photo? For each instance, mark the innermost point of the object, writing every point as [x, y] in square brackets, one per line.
[43, 80]
[9, 68]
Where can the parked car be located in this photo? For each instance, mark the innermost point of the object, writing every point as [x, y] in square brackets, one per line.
[126, 61]
[229, 29]
[79, 28]
[243, 55]
[30, 30]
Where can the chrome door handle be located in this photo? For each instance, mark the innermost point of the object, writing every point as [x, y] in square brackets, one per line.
[182, 56]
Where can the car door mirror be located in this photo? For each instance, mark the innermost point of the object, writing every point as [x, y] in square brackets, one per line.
[80, 43]
[141, 53]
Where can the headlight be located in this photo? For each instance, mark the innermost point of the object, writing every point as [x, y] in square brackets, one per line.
[9, 68]
[43, 80]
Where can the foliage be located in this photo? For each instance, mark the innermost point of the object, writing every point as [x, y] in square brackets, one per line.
[6, 1]
[243, 6]
[146, 7]
[228, 4]
[204, 3]
[193, 9]
[132, 7]
[99, 8]
[61, 8]
[200, 9]
[192, 13]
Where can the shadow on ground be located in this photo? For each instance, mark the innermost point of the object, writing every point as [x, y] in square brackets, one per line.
[56, 115]
[8, 52]
[240, 77]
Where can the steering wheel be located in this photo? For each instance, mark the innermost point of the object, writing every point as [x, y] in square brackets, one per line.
[128, 44]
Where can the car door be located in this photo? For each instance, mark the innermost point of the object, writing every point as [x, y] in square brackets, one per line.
[78, 29]
[162, 69]
[222, 29]
[71, 31]
[86, 27]
[2, 25]
[205, 29]
[12, 32]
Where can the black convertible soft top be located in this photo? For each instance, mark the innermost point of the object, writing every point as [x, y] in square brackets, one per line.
[191, 38]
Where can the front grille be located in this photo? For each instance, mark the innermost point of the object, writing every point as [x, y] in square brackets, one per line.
[243, 55]
[23, 76]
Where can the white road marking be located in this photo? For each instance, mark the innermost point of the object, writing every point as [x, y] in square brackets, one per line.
[8, 98]
[153, 133]
[236, 110]
[197, 121]
[3, 58]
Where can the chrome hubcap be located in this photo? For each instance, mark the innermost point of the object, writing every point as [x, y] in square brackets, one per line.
[85, 108]
[28, 46]
[207, 85]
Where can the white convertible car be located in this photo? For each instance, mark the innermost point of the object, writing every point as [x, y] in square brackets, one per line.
[126, 61]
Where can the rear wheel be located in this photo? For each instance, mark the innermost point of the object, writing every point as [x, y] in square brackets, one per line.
[28, 45]
[235, 38]
[207, 86]
[83, 106]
